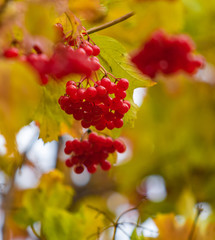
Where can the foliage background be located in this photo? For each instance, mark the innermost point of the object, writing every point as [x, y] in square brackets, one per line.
[170, 136]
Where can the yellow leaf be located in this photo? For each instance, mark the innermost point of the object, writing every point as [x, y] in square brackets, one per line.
[39, 19]
[91, 10]
[19, 97]
[170, 229]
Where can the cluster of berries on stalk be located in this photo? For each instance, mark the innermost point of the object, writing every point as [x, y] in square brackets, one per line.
[98, 99]
[65, 59]
[167, 54]
[92, 152]
[94, 105]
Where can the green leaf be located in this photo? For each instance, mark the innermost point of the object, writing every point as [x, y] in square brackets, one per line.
[51, 192]
[60, 224]
[134, 236]
[114, 58]
[49, 115]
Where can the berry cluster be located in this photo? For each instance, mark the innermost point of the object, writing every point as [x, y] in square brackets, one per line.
[92, 152]
[94, 106]
[99, 103]
[64, 61]
[167, 54]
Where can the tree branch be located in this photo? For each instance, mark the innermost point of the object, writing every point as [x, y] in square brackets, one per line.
[109, 24]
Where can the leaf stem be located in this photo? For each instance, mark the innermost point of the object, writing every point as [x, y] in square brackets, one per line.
[111, 23]
[199, 210]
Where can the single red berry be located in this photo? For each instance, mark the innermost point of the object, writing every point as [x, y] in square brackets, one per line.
[91, 92]
[118, 123]
[123, 84]
[88, 50]
[92, 168]
[81, 93]
[105, 165]
[93, 137]
[79, 169]
[71, 90]
[110, 125]
[85, 124]
[69, 163]
[70, 83]
[106, 82]
[101, 91]
[124, 109]
[128, 103]
[11, 52]
[119, 146]
[96, 50]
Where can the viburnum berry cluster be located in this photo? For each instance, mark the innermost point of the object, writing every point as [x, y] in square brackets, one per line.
[92, 152]
[94, 101]
[65, 60]
[97, 99]
[94, 105]
[167, 54]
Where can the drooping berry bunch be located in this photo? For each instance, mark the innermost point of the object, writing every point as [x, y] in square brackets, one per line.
[92, 152]
[100, 103]
[94, 106]
[94, 100]
[65, 59]
[167, 54]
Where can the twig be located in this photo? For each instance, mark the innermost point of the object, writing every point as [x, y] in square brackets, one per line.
[199, 210]
[102, 212]
[35, 232]
[138, 226]
[109, 24]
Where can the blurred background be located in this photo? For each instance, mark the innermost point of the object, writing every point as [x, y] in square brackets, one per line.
[169, 163]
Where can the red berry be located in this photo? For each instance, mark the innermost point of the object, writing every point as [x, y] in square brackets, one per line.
[110, 125]
[91, 92]
[112, 88]
[101, 91]
[11, 52]
[118, 123]
[123, 84]
[128, 103]
[71, 90]
[79, 169]
[85, 124]
[105, 165]
[106, 82]
[69, 163]
[88, 50]
[120, 93]
[92, 169]
[119, 146]
[93, 137]
[124, 109]
[96, 50]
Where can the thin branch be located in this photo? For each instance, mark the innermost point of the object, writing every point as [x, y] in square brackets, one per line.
[35, 232]
[199, 210]
[102, 212]
[138, 226]
[95, 234]
[129, 210]
[109, 24]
